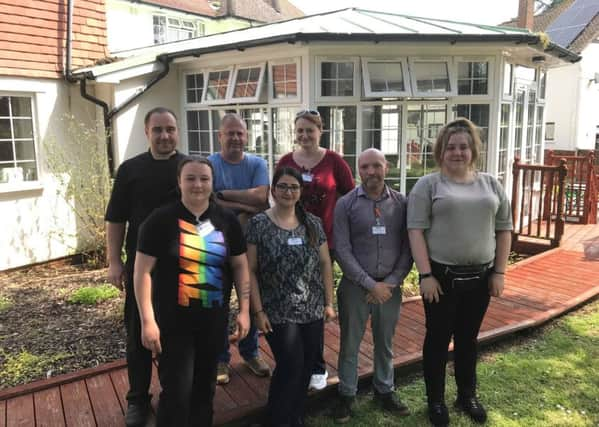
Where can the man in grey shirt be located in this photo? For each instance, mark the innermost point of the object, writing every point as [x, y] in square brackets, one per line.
[373, 250]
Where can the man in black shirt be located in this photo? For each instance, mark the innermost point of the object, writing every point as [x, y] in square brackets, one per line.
[143, 183]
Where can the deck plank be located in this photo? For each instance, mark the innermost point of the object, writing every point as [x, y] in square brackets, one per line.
[77, 407]
[537, 289]
[48, 408]
[20, 411]
[105, 402]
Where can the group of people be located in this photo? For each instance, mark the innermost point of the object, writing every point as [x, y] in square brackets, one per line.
[195, 227]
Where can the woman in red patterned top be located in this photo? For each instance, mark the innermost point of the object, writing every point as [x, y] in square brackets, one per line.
[326, 177]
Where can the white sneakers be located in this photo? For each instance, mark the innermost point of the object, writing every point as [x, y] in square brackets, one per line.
[319, 381]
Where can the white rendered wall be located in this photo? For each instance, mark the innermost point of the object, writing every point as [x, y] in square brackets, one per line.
[573, 102]
[37, 224]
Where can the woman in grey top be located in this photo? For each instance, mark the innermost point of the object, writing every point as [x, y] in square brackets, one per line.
[291, 292]
[459, 224]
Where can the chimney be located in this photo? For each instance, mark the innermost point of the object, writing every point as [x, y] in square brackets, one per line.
[526, 10]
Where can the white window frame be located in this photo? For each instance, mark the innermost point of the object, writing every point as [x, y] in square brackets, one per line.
[16, 186]
[259, 83]
[193, 27]
[271, 82]
[490, 75]
[226, 98]
[508, 96]
[541, 71]
[451, 75]
[391, 93]
[188, 73]
[356, 79]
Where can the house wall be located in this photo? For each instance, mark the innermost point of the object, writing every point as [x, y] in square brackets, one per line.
[33, 35]
[130, 25]
[37, 224]
[572, 101]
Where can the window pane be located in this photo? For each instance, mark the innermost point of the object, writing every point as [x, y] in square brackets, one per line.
[194, 142]
[4, 111]
[25, 150]
[464, 87]
[21, 107]
[479, 87]
[464, 70]
[346, 70]
[328, 88]
[346, 88]
[192, 120]
[507, 79]
[23, 128]
[5, 132]
[386, 76]
[328, 70]
[243, 74]
[432, 76]
[6, 151]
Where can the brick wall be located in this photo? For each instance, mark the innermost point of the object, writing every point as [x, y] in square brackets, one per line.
[33, 36]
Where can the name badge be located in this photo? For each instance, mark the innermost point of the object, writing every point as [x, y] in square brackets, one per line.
[307, 177]
[379, 229]
[295, 241]
[205, 228]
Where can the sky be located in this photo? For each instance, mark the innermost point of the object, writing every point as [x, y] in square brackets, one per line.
[489, 12]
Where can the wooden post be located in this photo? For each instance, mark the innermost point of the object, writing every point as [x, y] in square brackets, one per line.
[559, 217]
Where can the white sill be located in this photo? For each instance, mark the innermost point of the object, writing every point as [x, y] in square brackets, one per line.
[16, 187]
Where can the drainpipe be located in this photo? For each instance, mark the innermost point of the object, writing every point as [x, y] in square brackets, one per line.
[107, 113]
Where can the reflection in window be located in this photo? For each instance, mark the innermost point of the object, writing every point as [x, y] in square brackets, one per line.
[246, 83]
[337, 78]
[217, 85]
[339, 132]
[194, 84]
[385, 77]
[423, 124]
[18, 160]
[537, 148]
[473, 78]
[284, 81]
[479, 115]
[283, 131]
[508, 78]
[504, 134]
[382, 129]
[431, 77]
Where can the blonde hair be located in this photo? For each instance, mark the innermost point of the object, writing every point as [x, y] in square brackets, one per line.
[459, 125]
[315, 119]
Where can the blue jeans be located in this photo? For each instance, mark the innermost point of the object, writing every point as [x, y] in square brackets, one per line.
[248, 347]
[353, 315]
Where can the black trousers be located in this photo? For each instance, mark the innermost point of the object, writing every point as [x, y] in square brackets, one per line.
[295, 348]
[187, 371]
[139, 359]
[458, 314]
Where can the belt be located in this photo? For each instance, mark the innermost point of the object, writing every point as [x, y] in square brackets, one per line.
[461, 269]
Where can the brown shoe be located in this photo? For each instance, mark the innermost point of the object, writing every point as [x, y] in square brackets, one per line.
[258, 367]
[222, 373]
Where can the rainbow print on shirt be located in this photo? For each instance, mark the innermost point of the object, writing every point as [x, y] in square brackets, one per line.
[201, 259]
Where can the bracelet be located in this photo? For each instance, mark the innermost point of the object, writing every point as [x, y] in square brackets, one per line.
[498, 272]
[258, 312]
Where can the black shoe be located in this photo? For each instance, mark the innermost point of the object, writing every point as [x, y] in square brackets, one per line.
[342, 411]
[438, 414]
[392, 403]
[472, 407]
[137, 414]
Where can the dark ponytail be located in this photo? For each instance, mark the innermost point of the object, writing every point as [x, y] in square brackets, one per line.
[300, 212]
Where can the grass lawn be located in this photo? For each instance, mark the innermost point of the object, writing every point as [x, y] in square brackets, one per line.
[549, 377]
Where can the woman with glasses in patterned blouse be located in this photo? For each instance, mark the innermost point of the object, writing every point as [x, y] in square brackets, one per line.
[291, 283]
[326, 177]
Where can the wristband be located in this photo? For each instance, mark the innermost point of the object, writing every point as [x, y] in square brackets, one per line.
[498, 272]
[424, 276]
[258, 312]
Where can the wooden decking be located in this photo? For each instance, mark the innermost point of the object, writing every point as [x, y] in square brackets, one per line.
[537, 289]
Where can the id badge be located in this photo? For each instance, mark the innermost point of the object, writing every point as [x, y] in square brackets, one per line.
[307, 177]
[379, 229]
[295, 241]
[205, 228]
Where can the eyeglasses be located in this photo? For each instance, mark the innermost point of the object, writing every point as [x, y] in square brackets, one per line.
[284, 188]
[307, 112]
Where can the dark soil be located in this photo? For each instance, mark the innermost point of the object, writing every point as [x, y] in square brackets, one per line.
[36, 317]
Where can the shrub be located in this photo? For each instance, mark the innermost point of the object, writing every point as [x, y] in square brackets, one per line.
[24, 366]
[91, 295]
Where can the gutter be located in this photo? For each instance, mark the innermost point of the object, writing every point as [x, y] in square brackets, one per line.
[107, 113]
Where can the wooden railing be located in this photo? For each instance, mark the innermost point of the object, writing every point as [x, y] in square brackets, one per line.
[537, 206]
[580, 187]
